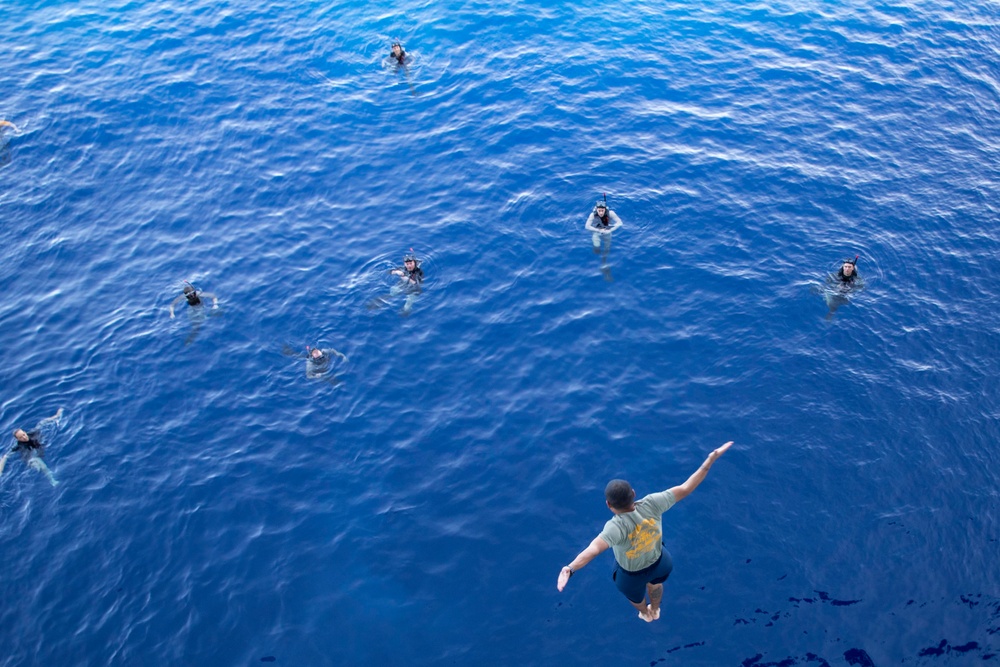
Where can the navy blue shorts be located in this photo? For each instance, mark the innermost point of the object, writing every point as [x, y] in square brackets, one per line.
[633, 584]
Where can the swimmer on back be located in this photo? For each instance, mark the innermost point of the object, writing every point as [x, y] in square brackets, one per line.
[31, 447]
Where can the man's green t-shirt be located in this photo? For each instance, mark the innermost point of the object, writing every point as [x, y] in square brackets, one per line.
[637, 537]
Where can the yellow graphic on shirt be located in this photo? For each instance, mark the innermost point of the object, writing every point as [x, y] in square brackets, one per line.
[644, 538]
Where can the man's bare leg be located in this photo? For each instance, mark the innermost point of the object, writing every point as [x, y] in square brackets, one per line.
[643, 610]
[655, 596]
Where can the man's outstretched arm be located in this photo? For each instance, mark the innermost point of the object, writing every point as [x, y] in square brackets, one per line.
[590, 553]
[685, 489]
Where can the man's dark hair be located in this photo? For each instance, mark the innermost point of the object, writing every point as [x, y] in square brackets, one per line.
[619, 494]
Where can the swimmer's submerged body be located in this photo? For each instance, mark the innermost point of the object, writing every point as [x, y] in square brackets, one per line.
[31, 446]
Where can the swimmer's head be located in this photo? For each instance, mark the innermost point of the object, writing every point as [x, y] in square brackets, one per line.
[848, 267]
[410, 261]
[397, 49]
[619, 494]
[188, 288]
[21, 435]
[316, 353]
[601, 206]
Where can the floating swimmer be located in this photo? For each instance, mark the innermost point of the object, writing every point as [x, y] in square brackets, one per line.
[398, 54]
[601, 223]
[32, 448]
[318, 362]
[635, 532]
[399, 58]
[197, 311]
[841, 284]
[4, 144]
[411, 277]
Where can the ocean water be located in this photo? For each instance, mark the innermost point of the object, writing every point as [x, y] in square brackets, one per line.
[216, 507]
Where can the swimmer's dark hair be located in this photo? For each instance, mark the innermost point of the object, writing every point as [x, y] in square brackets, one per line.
[619, 494]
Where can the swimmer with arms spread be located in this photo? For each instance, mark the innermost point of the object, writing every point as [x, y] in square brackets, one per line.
[193, 297]
[31, 447]
[635, 532]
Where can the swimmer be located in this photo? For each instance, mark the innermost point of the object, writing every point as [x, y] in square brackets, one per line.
[400, 59]
[601, 223]
[197, 313]
[32, 448]
[4, 143]
[635, 533]
[842, 283]
[848, 272]
[398, 54]
[318, 362]
[411, 277]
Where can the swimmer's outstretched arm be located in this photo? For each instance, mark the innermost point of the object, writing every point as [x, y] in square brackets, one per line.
[48, 420]
[595, 549]
[339, 354]
[174, 303]
[685, 489]
[215, 299]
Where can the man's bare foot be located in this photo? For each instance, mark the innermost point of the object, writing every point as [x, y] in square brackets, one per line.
[644, 615]
[654, 614]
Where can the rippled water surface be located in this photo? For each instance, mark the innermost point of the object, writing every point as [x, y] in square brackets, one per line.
[216, 507]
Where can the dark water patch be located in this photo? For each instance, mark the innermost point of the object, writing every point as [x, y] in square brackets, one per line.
[858, 658]
[943, 648]
[807, 659]
[675, 649]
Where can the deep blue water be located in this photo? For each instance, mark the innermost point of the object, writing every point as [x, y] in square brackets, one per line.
[218, 508]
